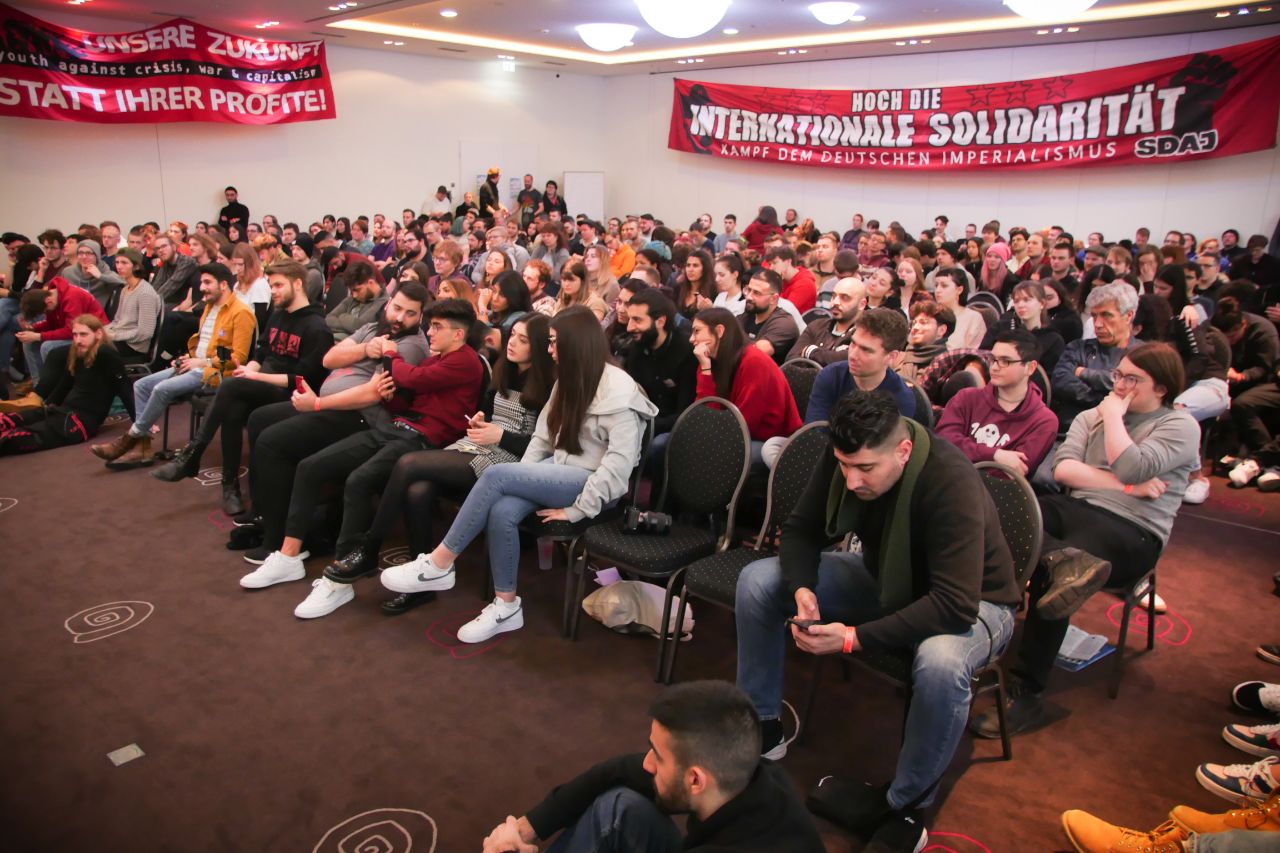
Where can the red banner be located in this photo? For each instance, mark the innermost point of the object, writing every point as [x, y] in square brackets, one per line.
[174, 71]
[1212, 104]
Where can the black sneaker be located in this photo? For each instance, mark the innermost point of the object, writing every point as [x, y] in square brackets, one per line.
[1023, 709]
[858, 808]
[406, 601]
[903, 832]
[773, 740]
[244, 538]
[360, 563]
[1074, 576]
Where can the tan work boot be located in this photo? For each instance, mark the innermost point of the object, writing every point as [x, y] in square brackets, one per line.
[139, 456]
[1089, 834]
[31, 400]
[114, 449]
[1264, 817]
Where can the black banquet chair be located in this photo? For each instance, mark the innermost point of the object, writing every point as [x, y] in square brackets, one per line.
[800, 374]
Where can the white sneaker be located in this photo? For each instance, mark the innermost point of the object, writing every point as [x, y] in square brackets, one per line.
[496, 618]
[277, 568]
[1269, 481]
[418, 575]
[1160, 606]
[1197, 491]
[1243, 474]
[326, 597]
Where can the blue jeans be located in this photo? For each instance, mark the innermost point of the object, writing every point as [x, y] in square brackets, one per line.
[940, 676]
[153, 393]
[8, 328]
[501, 499]
[620, 821]
[37, 351]
[1235, 841]
[1205, 399]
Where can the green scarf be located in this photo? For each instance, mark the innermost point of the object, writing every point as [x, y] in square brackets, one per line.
[845, 514]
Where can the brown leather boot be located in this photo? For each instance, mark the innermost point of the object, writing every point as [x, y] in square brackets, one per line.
[139, 456]
[114, 449]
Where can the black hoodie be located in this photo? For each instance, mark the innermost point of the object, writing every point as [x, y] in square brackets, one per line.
[294, 343]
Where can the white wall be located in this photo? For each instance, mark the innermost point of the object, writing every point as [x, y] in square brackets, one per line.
[1204, 197]
[403, 120]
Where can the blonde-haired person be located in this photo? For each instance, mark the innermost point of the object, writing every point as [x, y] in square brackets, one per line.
[574, 291]
[600, 280]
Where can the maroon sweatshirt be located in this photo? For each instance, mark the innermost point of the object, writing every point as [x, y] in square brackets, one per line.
[446, 391]
[72, 302]
[974, 422]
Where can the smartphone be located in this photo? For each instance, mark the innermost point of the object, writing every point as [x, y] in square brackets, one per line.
[804, 624]
[300, 384]
[386, 364]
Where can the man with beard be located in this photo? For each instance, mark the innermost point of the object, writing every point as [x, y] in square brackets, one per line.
[931, 323]
[826, 339]
[363, 303]
[703, 761]
[767, 326]
[234, 213]
[661, 360]
[491, 197]
[283, 434]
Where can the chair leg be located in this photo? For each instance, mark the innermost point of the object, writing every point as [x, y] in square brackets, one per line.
[1117, 670]
[664, 634]
[675, 643]
[579, 594]
[570, 568]
[1151, 614]
[164, 439]
[810, 700]
[1005, 743]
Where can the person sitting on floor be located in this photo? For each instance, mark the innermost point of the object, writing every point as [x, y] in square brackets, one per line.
[584, 448]
[220, 343]
[703, 761]
[1254, 385]
[1006, 421]
[1126, 464]
[78, 388]
[934, 582]
[61, 303]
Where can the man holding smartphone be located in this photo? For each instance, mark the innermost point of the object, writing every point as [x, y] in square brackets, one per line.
[934, 582]
[221, 342]
[293, 345]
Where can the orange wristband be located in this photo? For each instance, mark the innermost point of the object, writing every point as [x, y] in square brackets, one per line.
[1128, 489]
[848, 640]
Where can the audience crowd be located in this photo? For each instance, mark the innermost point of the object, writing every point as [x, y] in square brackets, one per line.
[521, 363]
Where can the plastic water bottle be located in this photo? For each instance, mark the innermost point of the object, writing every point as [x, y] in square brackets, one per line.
[544, 553]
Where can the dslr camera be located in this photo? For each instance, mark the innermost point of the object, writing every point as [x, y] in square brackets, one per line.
[636, 521]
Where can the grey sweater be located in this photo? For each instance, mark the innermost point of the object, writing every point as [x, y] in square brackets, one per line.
[136, 316]
[1166, 444]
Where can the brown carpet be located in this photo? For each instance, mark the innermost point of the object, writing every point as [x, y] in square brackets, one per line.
[264, 732]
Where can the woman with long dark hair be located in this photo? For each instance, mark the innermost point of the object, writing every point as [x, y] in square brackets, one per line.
[498, 434]
[730, 274]
[584, 448]
[1031, 313]
[551, 249]
[695, 287]
[1062, 314]
[502, 305]
[764, 226]
[730, 367]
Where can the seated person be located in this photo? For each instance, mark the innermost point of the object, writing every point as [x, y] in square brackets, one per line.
[827, 339]
[1255, 391]
[615, 322]
[500, 306]
[282, 434]
[934, 582]
[1126, 464]
[78, 388]
[798, 284]
[1006, 421]
[1082, 377]
[768, 327]
[133, 326]
[931, 325]
[92, 273]
[61, 303]
[586, 444]
[703, 761]
[291, 348]
[661, 359]
[1029, 312]
[731, 368]
[969, 326]
[364, 303]
[443, 389]
[220, 343]
[498, 434]
[879, 336]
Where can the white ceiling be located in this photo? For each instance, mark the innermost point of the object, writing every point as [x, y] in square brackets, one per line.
[540, 33]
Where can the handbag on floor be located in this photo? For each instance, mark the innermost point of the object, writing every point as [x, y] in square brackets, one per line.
[634, 607]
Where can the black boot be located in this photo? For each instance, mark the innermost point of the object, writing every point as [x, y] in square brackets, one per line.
[362, 561]
[185, 463]
[406, 601]
[231, 502]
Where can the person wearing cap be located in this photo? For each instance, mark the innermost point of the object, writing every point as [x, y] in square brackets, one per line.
[588, 236]
[134, 325]
[302, 251]
[948, 255]
[490, 198]
[92, 273]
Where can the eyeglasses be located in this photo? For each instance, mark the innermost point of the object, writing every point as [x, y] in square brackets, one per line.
[1002, 363]
[1125, 380]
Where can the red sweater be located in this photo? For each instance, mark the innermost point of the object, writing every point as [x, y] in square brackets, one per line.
[72, 302]
[802, 290]
[761, 393]
[756, 233]
[446, 391]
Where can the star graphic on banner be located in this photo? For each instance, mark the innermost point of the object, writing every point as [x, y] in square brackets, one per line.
[1056, 87]
[1017, 91]
[980, 96]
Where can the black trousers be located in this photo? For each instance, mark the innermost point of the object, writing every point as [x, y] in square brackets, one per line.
[363, 462]
[1072, 522]
[236, 399]
[1256, 415]
[279, 438]
[177, 329]
[416, 481]
[44, 429]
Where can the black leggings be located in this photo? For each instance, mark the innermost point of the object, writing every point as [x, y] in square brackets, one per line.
[236, 399]
[1072, 522]
[416, 481]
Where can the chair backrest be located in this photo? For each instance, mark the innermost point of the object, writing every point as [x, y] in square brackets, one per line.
[707, 459]
[800, 457]
[800, 374]
[987, 298]
[990, 315]
[1040, 379]
[1019, 513]
[815, 314]
[153, 351]
[924, 408]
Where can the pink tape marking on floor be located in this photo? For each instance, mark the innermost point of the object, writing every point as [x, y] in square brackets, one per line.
[956, 843]
[443, 633]
[1168, 624]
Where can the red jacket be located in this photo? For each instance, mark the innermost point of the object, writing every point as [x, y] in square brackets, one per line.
[446, 391]
[802, 290]
[72, 302]
[756, 233]
[761, 393]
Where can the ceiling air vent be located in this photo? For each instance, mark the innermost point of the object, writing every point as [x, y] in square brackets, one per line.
[549, 62]
[452, 49]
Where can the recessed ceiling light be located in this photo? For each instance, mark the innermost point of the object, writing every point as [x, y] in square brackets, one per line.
[730, 31]
[1264, 8]
[1073, 29]
[265, 24]
[900, 43]
[699, 59]
[448, 13]
[927, 41]
[1223, 15]
[399, 44]
[681, 61]
[1243, 11]
[1042, 32]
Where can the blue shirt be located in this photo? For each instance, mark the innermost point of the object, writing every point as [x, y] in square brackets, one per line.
[835, 380]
